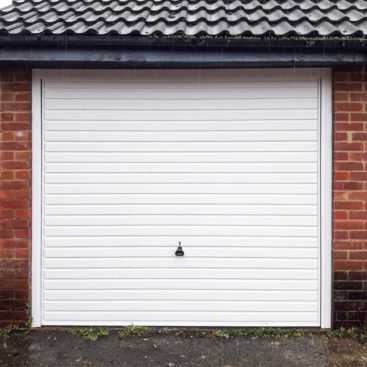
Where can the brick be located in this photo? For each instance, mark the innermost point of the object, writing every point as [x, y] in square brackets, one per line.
[15, 126]
[340, 176]
[352, 107]
[14, 223]
[352, 205]
[359, 136]
[340, 295]
[21, 294]
[340, 255]
[358, 255]
[10, 97]
[348, 146]
[22, 233]
[23, 106]
[350, 306]
[19, 146]
[341, 214]
[345, 224]
[6, 273]
[349, 87]
[6, 294]
[356, 97]
[358, 295]
[23, 175]
[340, 275]
[15, 178]
[355, 195]
[15, 165]
[23, 77]
[354, 235]
[358, 156]
[22, 156]
[6, 233]
[348, 166]
[344, 96]
[338, 245]
[6, 315]
[6, 213]
[340, 136]
[348, 265]
[7, 136]
[6, 175]
[14, 204]
[15, 87]
[14, 185]
[26, 116]
[341, 235]
[26, 213]
[341, 77]
[22, 273]
[348, 285]
[6, 194]
[15, 284]
[6, 156]
[7, 116]
[348, 186]
[23, 97]
[14, 243]
[340, 156]
[358, 117]
[358, 176]
[357, 77]
[22, 254]
[340, 195]
[358, 275]
[358, 215]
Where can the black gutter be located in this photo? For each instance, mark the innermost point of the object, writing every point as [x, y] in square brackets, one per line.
[120, 58]
[182, 41]
[149, 52]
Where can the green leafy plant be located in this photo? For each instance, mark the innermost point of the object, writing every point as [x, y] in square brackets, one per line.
[7, 330]
[271, 332]
[89, 333]
[221, 333]
[200, 334]
[343, 332]
[133, 330]
[29, 322]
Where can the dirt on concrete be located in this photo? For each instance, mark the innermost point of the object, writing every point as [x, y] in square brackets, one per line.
[58, 348]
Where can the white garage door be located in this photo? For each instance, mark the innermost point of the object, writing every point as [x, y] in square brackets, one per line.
[225, 162]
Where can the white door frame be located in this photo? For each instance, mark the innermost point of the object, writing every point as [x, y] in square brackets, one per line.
[325, 181]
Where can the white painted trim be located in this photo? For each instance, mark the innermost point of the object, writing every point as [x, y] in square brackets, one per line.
[326, 198]
[326, 161]
[123, 74]
[36, 198]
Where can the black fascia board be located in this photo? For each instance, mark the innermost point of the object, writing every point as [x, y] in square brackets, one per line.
[183, 41]
[118, 52]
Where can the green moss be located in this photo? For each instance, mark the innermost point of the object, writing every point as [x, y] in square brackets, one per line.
[89, 333]
[133, 330]
[7, 330]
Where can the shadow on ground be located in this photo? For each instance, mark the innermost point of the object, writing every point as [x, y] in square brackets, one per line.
[57, 348]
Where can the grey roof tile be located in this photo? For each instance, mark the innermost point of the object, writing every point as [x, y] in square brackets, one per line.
[257, 18]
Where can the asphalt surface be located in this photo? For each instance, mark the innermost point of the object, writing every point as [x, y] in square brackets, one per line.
[58, 348]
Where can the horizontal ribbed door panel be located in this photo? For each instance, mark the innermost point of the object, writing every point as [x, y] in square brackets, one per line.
[227, 165]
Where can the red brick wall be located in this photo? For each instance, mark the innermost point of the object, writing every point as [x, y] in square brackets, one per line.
[350, 195]
[15, 186]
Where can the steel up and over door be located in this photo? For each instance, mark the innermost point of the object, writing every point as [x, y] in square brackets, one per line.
[225, 162]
